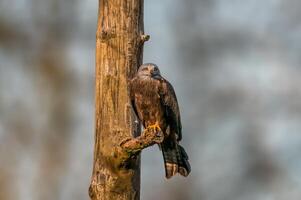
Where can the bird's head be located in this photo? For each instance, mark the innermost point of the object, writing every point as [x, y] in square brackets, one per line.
[149, 70]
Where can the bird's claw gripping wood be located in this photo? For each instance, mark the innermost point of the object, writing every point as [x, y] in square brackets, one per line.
[157, 131]
[150, 136]
[155, 127]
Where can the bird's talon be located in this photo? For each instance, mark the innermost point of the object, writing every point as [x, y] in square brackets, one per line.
[155, 127]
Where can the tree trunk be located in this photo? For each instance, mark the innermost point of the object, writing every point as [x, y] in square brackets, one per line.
[119, 45]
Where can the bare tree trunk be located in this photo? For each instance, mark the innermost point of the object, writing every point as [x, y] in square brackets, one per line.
[119, 45]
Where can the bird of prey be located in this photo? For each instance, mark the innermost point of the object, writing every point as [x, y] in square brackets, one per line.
[155, 104]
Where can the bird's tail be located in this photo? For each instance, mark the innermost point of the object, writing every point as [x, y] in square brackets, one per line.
[175, 159]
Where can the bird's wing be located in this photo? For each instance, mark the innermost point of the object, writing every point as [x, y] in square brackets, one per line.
[169, 101]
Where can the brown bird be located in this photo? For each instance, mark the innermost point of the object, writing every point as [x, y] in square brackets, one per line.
[155, 104]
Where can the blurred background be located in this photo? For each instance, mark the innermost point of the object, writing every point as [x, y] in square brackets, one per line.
[235, 66]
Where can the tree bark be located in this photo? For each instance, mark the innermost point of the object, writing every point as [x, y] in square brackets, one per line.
[119, 44]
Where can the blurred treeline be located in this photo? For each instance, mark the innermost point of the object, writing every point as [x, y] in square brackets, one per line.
[46, 96]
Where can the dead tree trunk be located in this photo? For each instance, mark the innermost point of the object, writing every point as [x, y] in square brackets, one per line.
[119, 45]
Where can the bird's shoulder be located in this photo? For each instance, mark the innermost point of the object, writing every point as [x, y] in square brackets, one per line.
[166, 86]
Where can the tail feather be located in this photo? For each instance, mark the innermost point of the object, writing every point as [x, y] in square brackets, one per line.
[175, 159]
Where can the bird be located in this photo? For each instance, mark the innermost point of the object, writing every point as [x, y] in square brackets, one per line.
[155, 104]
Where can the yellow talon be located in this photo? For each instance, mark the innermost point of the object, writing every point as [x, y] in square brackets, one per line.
[157, 132]
[155, 127]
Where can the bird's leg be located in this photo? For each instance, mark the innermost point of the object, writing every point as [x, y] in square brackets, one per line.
[155, 127]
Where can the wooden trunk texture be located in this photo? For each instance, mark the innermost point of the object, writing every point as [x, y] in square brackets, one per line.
[119, 45]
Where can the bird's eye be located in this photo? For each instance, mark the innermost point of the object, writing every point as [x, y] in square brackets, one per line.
[156, 69]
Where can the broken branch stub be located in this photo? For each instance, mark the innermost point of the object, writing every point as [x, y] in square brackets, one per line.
[148, 138]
